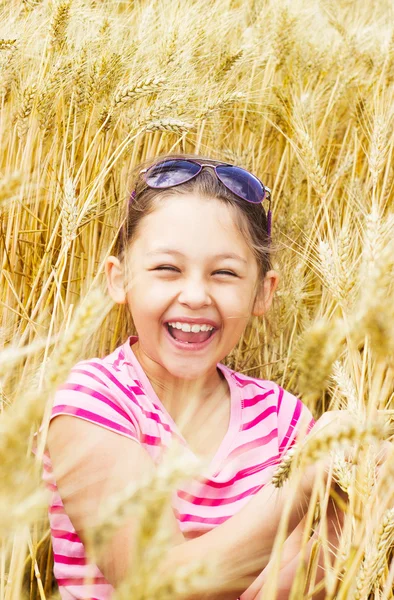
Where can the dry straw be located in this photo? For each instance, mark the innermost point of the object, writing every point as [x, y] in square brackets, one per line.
[59, 24]
[374, 563]
[127, 94]
[18, 424]
[346, 387]
[302, 96]
[318, 350]
[321, 443]
[26, 106]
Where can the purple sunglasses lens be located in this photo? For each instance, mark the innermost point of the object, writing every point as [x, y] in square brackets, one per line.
[241, 183]
[170, 173]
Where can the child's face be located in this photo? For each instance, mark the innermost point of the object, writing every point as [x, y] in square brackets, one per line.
[199, 229]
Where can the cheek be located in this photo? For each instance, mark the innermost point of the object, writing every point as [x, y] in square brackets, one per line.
[236, 321]
[146, 304]
[237, 301]
[238, 311]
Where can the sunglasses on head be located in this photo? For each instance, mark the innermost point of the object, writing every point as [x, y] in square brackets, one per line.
[170, 173]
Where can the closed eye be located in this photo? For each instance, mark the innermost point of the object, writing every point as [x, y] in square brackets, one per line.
[227, 273]
[168, 268]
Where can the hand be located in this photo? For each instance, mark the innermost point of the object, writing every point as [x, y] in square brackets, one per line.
[329, 422]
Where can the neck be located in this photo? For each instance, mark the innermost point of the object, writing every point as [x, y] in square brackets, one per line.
[183, 398]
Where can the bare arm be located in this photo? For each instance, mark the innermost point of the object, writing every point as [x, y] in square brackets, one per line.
[291, 552]
[291, 549]
[290, 563]
[241, 546]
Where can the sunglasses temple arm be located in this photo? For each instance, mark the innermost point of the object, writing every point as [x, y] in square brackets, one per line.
[269, 219]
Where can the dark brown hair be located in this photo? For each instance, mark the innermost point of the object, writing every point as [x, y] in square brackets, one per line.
[250, 218]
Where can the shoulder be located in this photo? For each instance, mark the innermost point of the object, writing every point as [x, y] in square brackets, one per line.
[266, 388]
[259, 390]
[103, 391]
[292, 415]
[112, 372]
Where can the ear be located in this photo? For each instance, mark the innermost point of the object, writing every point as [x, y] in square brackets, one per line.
[265, 293]
[115, 279]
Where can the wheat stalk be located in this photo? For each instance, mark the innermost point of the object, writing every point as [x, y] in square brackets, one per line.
[373, 565]
[342, 471]
[170, 125]
[312, 164]
[346, 387]
[8, 69]
[328, 270]
[16, 425]
[228, 64]
[80, 77]
[69, 212]
[59, 24]
[25, 109]
[284, 35]
[318, 350]
[9, 186]
[7, 44]
[127, 94]
[282, 472]
[320, 444]
[379, 147]
[301, 98]
[218, 104]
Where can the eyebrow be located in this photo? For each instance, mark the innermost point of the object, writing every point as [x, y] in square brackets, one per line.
[165, 250]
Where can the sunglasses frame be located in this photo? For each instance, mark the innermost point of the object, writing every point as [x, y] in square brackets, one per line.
[266, 191]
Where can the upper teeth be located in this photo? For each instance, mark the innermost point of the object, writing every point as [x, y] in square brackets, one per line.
[193, 328]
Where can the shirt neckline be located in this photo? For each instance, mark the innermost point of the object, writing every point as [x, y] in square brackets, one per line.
[235, 407]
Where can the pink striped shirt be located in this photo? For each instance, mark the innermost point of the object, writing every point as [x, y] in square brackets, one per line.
[115, 393]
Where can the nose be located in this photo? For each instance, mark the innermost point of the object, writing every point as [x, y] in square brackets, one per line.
[194, 293]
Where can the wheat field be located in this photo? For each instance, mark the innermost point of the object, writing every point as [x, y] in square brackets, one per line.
[302, 94]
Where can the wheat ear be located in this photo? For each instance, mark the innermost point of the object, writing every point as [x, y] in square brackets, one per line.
[319, 444]
[282, 472]
[59, 25]
[372, 567]
[25, 109]
[143, 87]
[168, 125]
[7, 44]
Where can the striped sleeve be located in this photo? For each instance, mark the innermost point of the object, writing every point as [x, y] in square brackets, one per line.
[293, 417]
[92, 392]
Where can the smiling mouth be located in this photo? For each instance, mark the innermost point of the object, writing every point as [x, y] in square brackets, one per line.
[189, 337]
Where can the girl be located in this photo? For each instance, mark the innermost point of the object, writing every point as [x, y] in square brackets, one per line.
[192, 266]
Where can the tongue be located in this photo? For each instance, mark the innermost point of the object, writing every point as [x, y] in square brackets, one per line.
[188, 336]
